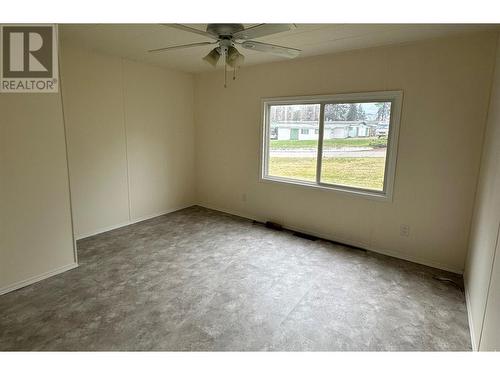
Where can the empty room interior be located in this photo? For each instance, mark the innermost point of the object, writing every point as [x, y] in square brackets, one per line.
[251, 187]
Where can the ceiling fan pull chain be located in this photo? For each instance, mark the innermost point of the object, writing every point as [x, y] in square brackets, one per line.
[234, 73]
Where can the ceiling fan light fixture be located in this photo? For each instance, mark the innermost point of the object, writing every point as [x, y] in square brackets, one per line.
[213, 57]
[234, 59]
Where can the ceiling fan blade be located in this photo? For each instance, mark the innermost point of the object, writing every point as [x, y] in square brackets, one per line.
[271, 48]
[191, 30]
[263, 29]
[181, 46]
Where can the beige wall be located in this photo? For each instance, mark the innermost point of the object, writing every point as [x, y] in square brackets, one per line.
[446, 89]
[160, 139]
[130, 139]
[35, 219]
[490, 337]
[484, 234]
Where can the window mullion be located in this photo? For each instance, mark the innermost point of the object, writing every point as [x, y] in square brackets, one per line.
[320, 142]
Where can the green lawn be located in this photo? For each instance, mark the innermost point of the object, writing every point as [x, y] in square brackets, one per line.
[359, 172]
[330, 143]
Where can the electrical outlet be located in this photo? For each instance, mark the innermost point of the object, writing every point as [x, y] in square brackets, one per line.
[404, 230]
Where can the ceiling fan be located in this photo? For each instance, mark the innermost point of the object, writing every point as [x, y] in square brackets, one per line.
[226, 36]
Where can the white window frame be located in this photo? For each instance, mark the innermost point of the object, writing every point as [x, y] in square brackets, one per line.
[396, 99]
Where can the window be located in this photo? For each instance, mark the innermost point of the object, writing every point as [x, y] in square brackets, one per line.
[351, 147]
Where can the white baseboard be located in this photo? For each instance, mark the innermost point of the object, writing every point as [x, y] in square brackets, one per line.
[469, 316]
[364, 246]
[130, 222]
[35, 279]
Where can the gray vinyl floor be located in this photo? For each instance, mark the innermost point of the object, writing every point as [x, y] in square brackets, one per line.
[199, 280]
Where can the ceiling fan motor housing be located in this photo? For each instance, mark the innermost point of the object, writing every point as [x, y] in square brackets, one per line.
[224, 29]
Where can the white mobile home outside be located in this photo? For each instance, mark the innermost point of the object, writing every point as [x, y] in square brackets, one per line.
[309, 130]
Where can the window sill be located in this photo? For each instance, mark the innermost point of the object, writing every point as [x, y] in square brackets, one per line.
[357, 192]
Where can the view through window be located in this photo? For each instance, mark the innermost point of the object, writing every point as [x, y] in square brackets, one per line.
[293, 148]
[352, 138]
[355, 144]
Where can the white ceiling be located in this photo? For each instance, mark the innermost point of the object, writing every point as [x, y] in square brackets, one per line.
[133, 40]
